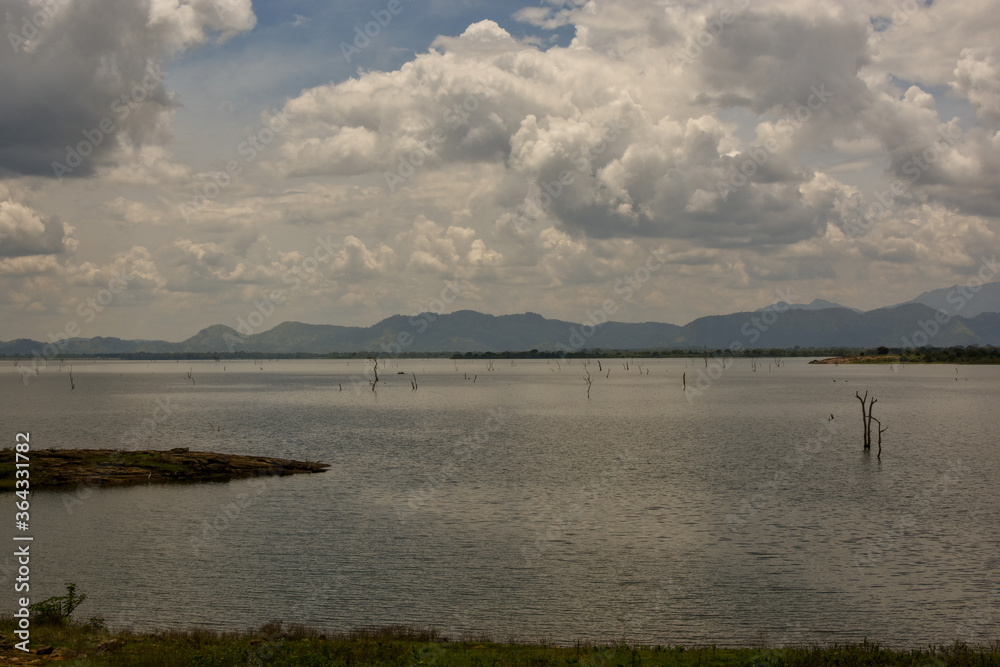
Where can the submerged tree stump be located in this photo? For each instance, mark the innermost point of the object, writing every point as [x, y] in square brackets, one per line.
[866, 420]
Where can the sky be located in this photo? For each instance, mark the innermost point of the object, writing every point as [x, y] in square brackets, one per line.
[167, 165]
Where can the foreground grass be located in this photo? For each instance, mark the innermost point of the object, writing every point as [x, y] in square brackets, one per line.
[277, 644]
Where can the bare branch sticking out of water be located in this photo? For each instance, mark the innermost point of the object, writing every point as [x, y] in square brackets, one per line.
[375, 369]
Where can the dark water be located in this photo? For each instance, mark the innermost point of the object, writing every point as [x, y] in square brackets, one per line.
[514, 506]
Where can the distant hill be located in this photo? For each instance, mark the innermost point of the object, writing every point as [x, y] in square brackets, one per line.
[837, 327]
[815, 304]
[471, 331]
[963, 300]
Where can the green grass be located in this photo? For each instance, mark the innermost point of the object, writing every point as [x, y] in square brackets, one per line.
[278, 644]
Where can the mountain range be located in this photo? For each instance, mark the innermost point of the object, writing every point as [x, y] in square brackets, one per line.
[963, 300]
[818, 324]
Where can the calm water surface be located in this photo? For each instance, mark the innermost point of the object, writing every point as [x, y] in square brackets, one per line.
[505, 502]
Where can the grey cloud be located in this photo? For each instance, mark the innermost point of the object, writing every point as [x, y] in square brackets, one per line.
[934, 161]
[487, 98]
[87, 75]
[671, 181]
[774, 63]
[977, 77]
[24, 233]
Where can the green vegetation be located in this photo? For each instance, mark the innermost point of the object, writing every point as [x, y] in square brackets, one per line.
[971, 354]
[278, 644]
[58, 609]
[601, 353]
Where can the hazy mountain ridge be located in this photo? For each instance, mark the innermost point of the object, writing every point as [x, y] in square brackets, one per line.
[963, 300]
[471, 331]
[815, 304]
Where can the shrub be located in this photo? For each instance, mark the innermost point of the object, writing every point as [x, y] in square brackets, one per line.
[57, 610]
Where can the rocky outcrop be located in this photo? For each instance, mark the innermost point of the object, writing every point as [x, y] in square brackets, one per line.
[106, 467]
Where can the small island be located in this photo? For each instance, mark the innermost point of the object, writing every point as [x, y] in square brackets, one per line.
[60, 468]
[970, 354]
[864, 359]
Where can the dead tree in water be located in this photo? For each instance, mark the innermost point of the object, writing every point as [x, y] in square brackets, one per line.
[589, 382]
[375, 369]
[867, 419]
[880, 432]
[72, 385]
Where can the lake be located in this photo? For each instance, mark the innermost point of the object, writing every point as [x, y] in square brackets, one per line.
[498, 499]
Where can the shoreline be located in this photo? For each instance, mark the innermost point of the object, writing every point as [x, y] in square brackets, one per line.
[61, 468]
[292, 644]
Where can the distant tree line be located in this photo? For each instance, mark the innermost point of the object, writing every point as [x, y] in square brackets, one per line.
[971, 354]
